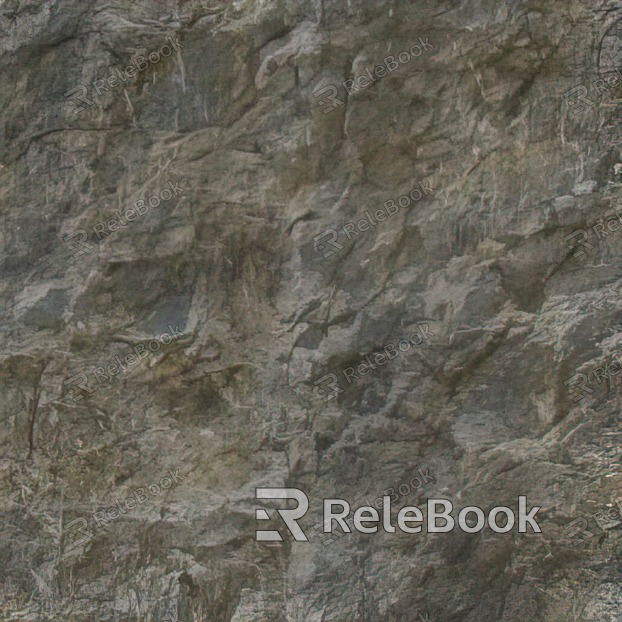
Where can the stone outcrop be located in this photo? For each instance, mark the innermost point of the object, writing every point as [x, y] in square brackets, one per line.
[161, 354]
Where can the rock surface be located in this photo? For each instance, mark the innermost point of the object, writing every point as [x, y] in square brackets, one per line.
[225, 289]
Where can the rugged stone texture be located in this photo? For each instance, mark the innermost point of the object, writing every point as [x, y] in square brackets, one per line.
[231, 404]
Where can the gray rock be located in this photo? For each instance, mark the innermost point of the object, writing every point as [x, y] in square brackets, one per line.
[511, 259]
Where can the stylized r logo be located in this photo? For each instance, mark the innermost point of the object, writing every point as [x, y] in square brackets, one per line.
[290, 517]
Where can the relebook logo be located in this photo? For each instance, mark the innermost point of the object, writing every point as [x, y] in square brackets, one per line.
[471, 519]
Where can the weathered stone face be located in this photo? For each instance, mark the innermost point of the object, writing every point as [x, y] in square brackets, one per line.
[342, 246]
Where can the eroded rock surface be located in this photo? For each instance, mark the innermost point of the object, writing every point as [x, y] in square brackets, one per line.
[505, 252]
